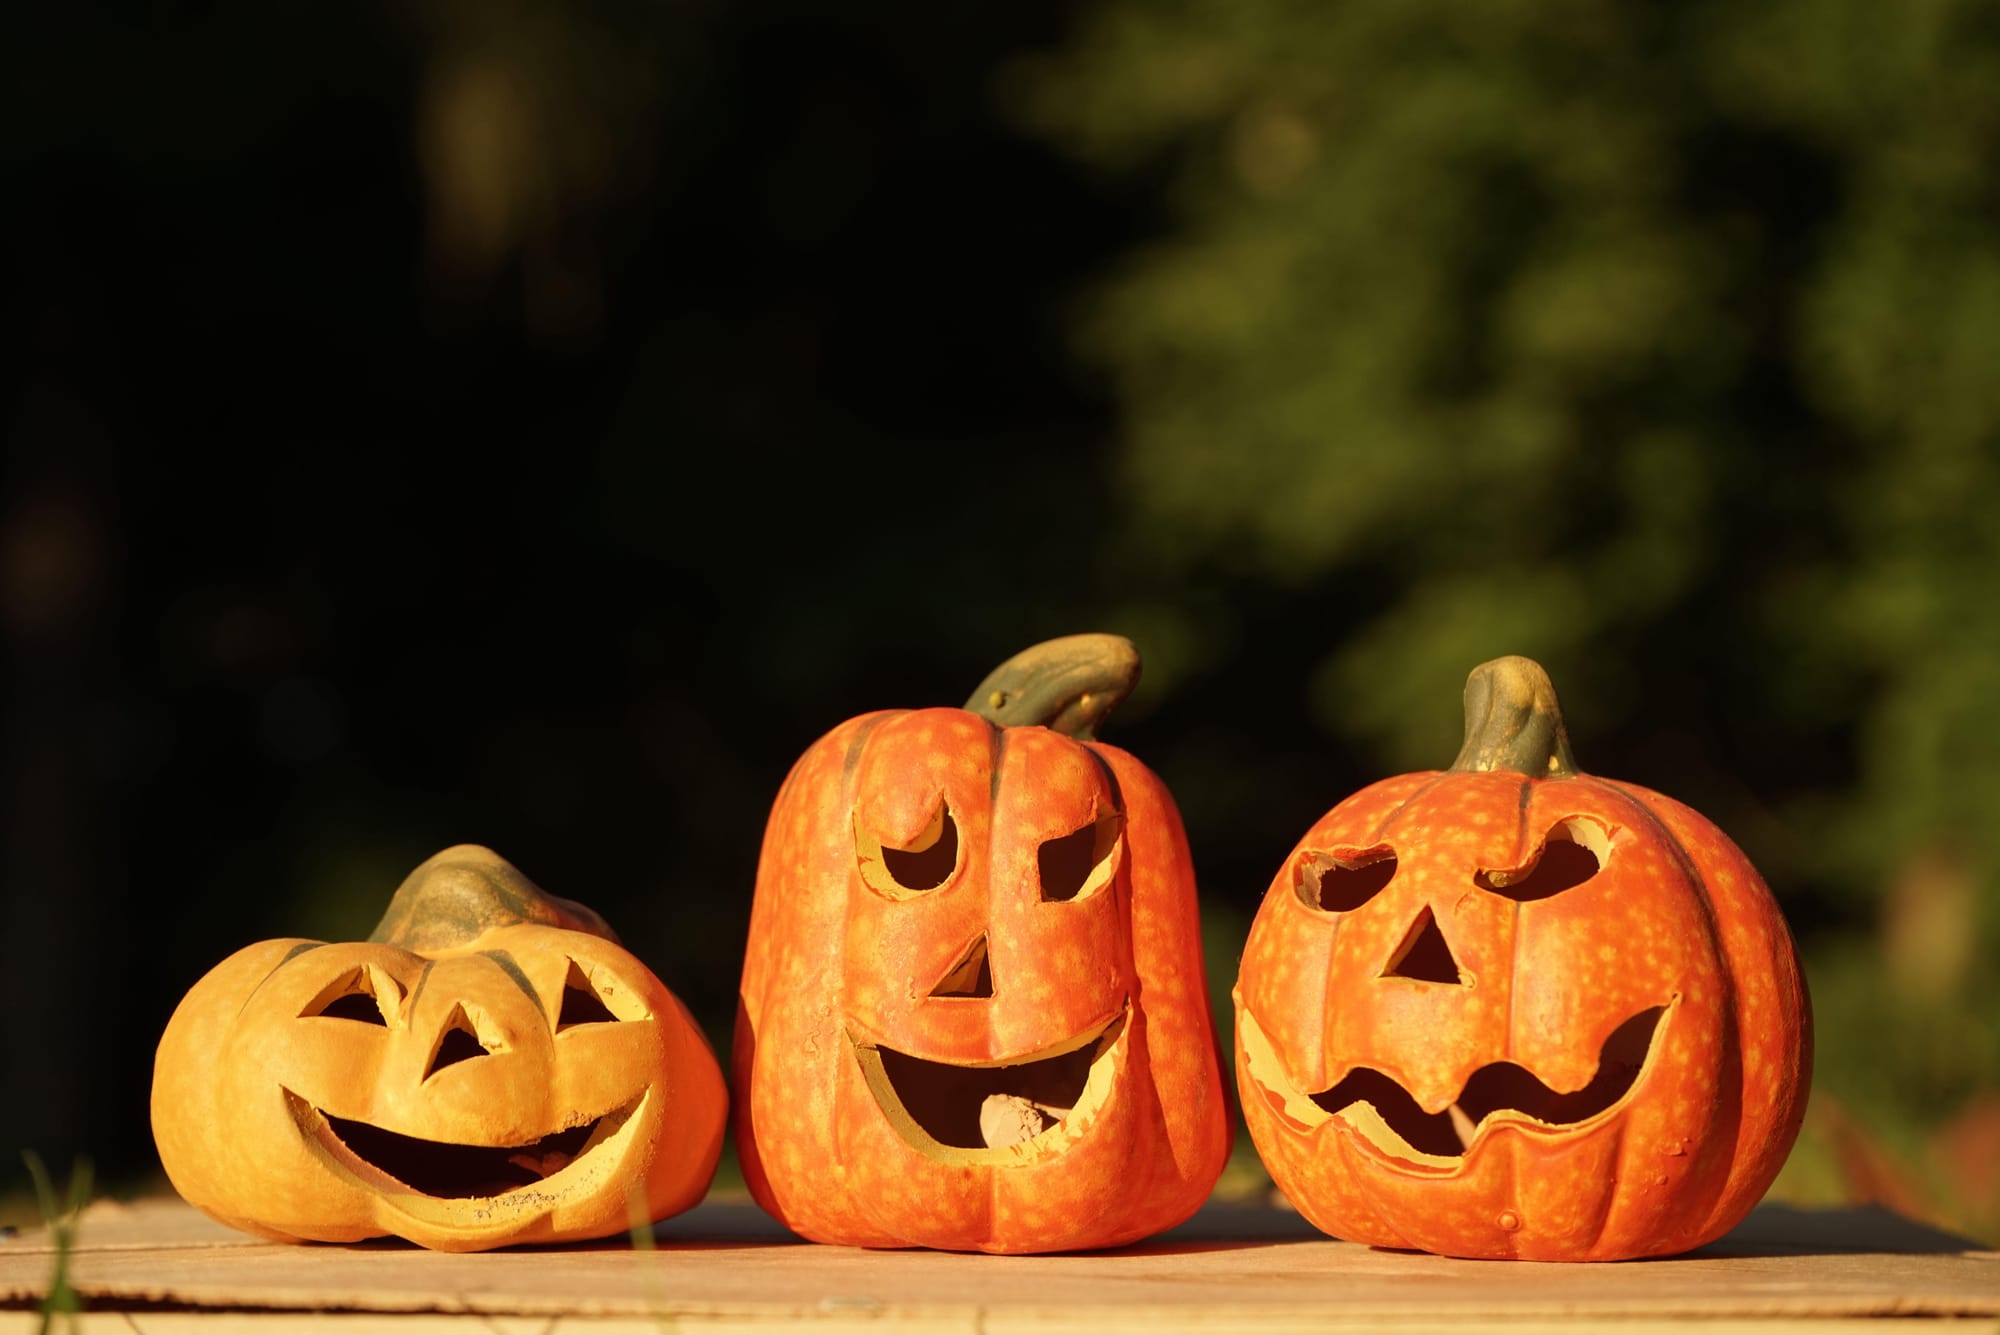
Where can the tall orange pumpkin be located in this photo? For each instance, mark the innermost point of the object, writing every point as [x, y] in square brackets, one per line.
[1512, 1010]
[973, 1012]
[490, 1067]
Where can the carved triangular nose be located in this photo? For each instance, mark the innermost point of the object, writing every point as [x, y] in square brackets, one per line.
[458, 1042]
[1424, 955]
[972, 976]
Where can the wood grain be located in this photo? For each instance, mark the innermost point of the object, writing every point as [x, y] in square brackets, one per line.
[152, 1263]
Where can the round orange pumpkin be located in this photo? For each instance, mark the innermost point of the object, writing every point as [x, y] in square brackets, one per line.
[1512, 1010]
[973, 1009]
[490, 1067]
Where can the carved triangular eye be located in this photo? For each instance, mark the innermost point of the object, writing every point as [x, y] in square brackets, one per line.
[349, 997]
[580, 1002]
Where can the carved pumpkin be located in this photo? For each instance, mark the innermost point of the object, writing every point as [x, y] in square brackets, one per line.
[1512, 1010]
[973, 1009]
[490, 1067]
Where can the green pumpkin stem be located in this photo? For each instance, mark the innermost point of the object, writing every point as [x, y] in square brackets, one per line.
[466, 890]
[1512, 722]
[1066, 685]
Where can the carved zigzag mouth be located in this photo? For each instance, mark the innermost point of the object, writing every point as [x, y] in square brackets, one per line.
[446, 1170]
[994, 1112]
[1389, 1116]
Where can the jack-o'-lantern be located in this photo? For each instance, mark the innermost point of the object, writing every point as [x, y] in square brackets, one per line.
[490, 1067]
[973, 1013]
[1513, 1010]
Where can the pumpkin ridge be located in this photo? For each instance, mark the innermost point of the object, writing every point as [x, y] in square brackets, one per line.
[856, 745]
[1110, 776]
[1645, 798]
[1395, 814]
[850, 771]
[996, 760]
[290, 955]
[512, 968]
[1614, 1208]
[423, 980]
[1607, 1197]
[1703, 897]
[1513, 993]
[1391, 1214]
[1524, 797]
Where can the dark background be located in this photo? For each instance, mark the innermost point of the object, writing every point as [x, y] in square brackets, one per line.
[465, 423]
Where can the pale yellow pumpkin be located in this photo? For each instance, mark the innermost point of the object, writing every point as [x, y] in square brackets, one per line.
[491, 1068]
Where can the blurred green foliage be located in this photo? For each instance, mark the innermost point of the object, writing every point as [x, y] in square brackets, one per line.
[1657, 341]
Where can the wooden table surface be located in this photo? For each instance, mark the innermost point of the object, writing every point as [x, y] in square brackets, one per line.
[158, 1267]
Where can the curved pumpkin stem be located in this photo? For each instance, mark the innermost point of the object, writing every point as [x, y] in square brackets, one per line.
[1066, 685]
[1512, 722]
[466, 890]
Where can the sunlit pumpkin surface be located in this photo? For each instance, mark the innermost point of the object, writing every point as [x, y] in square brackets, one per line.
[501, 1072]
[973, 1008]
[1552, 1017]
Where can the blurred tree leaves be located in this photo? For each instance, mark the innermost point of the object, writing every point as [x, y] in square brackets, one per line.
[1656, 341]
[533, 126]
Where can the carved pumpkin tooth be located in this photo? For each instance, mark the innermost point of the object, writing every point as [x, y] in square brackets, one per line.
[1009, 1119]
[1462, 1125]
[1576, 973]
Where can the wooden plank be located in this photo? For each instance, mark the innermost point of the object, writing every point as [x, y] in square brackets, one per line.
[378, 1323]
[728, 1264]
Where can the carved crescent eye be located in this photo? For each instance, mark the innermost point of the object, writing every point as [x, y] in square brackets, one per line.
[1076, 864]
[1571, 853]
[1344, 879]
[903, 873]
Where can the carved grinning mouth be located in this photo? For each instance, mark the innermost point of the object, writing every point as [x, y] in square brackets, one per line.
[997, 1111]
[1378, 1106]
[446, 1170]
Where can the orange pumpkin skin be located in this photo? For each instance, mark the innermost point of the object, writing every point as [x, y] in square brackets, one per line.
[300, 1083]
[838, 970]
[1674, 928]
